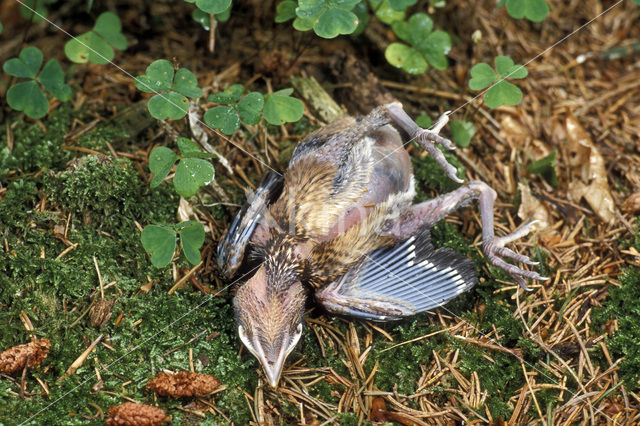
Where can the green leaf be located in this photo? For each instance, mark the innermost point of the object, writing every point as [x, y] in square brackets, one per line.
[213, 6]
[161, 161]
[168, 105]
[191, 174]
[435, 48]
[89, 47]
[224, 15]
[192, 238]
[228, 96]
[284, 92]
[186, 83]
[416, 29]
[224, 118]
[424, 121]
[279, 108]
[482, 75]
[96, 46]
[462, 132]
[26, 65]
[108, 26]
[385, 12]
[502, 93]
[158, 77]
[250, 107]
[27, 8]
[329, 18]
[362, 13]
[52, 78]
[401, 5]
[334, 22]
[0, 27]
[407, 58]
[507, 69]
[28, 97]
[303, 24]
[546, 167]
[202, 17]
[286, 11]
[533, 10]
[420, 25]
[187, 146]
[160, 242]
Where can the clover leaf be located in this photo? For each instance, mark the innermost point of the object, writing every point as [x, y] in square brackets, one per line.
[193, 170]
[161, 161]
[426, 46]
[224, 118]
[212, 6]
[191, 239]
[401, 5]
[328, 18]
[385, 12]
[250, 107]
[191, 174]
[286, 11]
[228, 96]
[172, 89]
[533, 10]
[28, 96]
[462, 132]
[227, 116]
[35, 10]
[26, 65]
[501, 92]
[160, 242]
[96, 46]
[280, 107]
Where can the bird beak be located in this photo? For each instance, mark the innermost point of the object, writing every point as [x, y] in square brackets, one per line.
[272, 360]
[273, 372]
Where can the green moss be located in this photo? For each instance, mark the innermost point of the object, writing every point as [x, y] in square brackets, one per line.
[625, 342]
[97, 186]
[430, 176]
[34, 148]
[104, 199]
[97, 139]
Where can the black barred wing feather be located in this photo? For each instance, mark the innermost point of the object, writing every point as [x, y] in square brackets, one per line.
[232, 247]
[400, 281]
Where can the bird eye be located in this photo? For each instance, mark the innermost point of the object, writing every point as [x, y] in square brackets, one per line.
[299, 329]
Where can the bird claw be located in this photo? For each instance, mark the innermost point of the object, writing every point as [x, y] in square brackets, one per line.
[495, 250]
[428, 140]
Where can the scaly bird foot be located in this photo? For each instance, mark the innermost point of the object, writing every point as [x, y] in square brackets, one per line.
[428, 140]
[495, 249]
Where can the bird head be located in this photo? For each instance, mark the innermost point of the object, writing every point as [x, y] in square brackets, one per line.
[269, 312]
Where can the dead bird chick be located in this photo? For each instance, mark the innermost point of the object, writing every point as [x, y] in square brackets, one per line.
[340, 224]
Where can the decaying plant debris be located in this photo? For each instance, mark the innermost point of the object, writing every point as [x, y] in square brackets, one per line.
[183, 384]
[134, 414]
[30, 355]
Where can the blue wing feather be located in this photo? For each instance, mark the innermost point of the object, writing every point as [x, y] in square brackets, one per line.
[399, 281]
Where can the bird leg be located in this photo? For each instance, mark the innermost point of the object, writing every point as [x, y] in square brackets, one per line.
[425, 137]
[428, 213]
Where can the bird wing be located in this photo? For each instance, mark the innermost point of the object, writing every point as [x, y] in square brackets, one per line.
[395, 282]
[232, 246]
